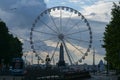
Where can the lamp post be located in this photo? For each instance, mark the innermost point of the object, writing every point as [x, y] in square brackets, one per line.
[25, 58]
[2, 62]
[94, 60]
[107, 63]
[118, 62]
[38, 60]
[107, 67]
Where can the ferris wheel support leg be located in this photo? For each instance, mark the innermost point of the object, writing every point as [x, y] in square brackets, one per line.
[66, 49]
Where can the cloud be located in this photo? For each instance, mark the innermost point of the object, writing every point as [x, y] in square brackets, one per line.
[75, 1]
[97, 30]
[47, 1]
[92, 14]
[19, 16]
[23, 12]
[82, 2]
[100, 9]
[51, 33]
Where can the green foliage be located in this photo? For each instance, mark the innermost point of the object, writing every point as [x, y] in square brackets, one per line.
[10, 46]
[112, 38]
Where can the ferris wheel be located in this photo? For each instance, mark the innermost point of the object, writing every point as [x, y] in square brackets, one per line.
[61, 25]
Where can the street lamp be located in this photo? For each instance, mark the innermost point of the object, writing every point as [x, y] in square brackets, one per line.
[94, 60]
[107, 63]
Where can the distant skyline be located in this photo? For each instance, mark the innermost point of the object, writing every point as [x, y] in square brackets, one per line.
[20, 14]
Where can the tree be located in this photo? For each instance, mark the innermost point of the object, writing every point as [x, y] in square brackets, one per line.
[10, 46]
[112, 38]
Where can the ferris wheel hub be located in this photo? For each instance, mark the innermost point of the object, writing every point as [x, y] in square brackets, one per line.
[61, 36]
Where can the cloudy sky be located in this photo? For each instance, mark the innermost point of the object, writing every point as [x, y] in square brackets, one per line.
[19, 16]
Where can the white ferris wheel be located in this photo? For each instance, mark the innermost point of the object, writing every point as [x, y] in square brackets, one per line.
[61, 25]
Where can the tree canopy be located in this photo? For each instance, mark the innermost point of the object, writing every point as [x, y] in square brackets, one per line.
[10, 46]
[112, 38]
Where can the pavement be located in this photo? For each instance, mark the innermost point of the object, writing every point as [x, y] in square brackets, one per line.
[101, 76]
[11, 78]
[97, 76]
[94, 77]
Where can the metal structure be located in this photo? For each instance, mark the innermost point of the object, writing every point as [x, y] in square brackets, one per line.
[61, 61]
[61, 25]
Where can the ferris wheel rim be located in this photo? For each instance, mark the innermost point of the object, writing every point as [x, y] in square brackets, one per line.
[60, 35]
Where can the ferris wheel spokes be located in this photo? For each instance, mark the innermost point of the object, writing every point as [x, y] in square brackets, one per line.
[69, 19]
[61, 20]
[75, 47]
[49, 27]
[44, 32]
[80, 40]
[55, 50]
[51, 17]
[77, 32]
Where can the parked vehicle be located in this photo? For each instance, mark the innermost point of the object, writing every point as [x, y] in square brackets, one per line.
[17, 67]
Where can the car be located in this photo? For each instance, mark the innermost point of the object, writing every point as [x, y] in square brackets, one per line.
[17, 68]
